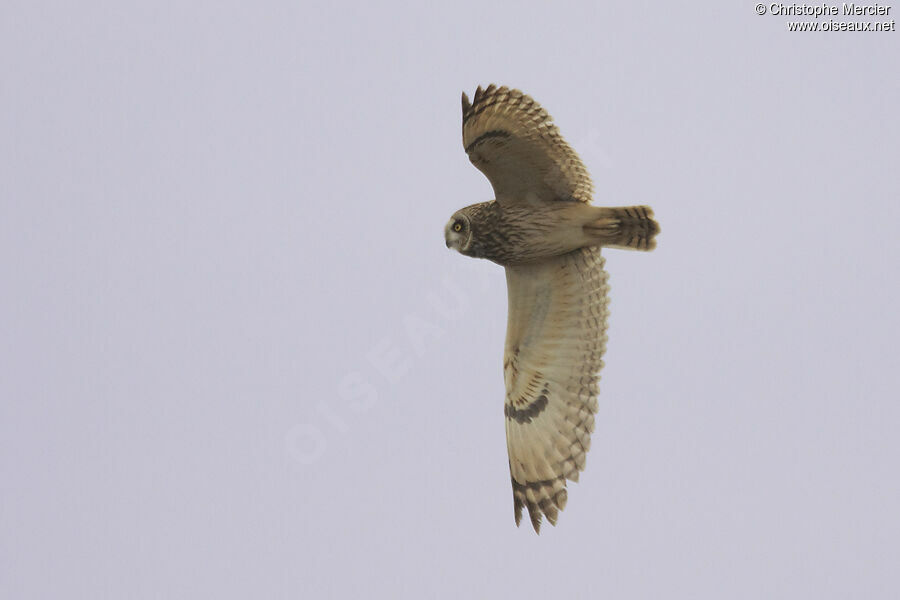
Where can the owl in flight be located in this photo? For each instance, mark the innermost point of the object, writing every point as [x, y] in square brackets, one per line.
[542, 228]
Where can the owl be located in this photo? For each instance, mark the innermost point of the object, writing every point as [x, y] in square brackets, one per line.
[542, 228]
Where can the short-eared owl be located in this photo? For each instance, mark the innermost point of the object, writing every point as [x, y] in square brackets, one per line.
[542, 228]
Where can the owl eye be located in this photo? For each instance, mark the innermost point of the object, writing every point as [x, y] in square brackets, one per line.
[457, 227]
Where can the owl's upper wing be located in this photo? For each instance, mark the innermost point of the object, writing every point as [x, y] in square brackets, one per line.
[513, 141]
[555, 338]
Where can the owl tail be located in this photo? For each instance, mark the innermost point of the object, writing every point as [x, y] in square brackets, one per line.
[629, 227]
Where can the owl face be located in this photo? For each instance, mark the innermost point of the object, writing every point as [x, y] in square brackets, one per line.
[458, 232]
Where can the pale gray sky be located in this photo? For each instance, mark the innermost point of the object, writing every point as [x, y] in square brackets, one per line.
[237, 361]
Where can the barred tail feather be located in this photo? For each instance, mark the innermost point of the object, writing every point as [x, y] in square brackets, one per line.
[629, 227]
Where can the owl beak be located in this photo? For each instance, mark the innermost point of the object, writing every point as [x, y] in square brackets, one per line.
[447, 241]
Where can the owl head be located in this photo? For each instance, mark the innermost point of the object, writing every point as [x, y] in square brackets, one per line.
[458, 232]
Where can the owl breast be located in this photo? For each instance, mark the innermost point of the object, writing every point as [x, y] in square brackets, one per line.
[520, 235]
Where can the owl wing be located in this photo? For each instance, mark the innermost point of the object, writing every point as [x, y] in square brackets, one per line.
[513, 141]
[555, 338]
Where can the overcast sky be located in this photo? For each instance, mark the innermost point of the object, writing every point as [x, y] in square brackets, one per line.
[237, 361]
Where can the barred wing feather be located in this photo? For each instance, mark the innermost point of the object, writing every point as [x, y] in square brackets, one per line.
[513, 141]
[555, 339]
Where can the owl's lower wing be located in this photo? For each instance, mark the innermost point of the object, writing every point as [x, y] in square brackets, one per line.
[555, 339]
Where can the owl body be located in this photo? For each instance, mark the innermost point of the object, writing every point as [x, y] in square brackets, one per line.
[522, 234]
[542, 228]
